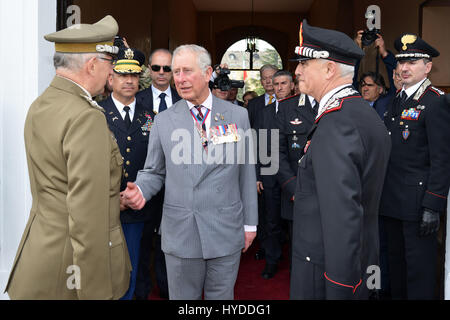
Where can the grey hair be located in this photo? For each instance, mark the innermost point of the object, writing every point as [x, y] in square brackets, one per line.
[281, 73]
[156, 51]
[268, 66]
[347, 71]
[71, 61]
[203, 56]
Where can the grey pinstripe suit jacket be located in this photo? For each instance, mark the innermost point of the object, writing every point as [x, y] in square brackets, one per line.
[206, 205]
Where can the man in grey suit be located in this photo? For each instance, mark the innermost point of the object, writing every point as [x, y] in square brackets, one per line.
[201, 150]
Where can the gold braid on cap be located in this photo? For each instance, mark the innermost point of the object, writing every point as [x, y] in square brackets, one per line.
[408, 39]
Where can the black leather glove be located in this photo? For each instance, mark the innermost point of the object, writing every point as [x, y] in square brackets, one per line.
[429, 223]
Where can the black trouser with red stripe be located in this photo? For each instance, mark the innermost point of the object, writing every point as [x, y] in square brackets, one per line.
[412, 260]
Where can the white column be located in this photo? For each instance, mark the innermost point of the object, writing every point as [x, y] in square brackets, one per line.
[27, 69]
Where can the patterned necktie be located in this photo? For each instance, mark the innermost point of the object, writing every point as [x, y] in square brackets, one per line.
[200, 117]
[127, 117]
[162, 104]
[270, 99]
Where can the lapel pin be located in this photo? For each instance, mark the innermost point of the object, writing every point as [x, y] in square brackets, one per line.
[114, 119]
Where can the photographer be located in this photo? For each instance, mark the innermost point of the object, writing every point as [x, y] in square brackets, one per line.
[221, 85]
[371, 84]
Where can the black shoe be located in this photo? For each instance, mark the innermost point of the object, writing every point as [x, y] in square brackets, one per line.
[269, 271]
[260, 254]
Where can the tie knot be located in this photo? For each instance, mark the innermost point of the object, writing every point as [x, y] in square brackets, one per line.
[126, 109]
[162, 95]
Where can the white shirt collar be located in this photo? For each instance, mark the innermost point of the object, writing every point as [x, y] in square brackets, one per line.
[157, 92]
[119, 105]
[413, 88]
[207, 103]
[311, 101]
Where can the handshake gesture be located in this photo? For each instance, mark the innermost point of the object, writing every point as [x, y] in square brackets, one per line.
[131, 197]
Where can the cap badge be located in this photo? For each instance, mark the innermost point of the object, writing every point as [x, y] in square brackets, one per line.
[408, 39]
[129, 54]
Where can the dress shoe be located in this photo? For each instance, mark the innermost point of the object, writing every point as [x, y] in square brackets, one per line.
[260, 254]
[269, 271]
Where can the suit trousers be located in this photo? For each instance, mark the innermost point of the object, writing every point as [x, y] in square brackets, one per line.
[412, 260]
[271, 240]
[189, 277]
[133, 234]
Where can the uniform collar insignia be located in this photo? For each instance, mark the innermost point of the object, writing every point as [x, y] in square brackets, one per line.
[301, 100]
[92, 102]
[422, 89]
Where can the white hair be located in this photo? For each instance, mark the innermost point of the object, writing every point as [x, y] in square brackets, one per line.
[347, 71]
[71, 61]
[203, 56]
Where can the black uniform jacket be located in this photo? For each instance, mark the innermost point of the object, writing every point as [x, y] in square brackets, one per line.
[133, 145]
[418, 174]
[339, 184]
[294, 119]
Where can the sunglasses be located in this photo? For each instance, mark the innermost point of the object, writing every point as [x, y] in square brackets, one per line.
[156, 68]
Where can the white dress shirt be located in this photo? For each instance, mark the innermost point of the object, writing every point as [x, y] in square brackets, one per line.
[120, 106]
[157, 99]
[413, 88]
[206, 105]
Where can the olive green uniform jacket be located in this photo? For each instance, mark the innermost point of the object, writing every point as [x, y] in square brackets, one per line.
[73, 245]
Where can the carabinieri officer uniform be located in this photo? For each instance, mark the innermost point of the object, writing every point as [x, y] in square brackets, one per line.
[418, 175]
[340, 177]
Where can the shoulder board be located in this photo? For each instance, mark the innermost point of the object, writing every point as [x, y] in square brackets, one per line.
[295, 95]
[437, 91]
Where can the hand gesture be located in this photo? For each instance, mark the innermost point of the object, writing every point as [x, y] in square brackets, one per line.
[132, 197]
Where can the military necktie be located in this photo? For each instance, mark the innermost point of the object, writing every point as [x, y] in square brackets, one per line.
[162, 104]
[127, 117]
[315, 107]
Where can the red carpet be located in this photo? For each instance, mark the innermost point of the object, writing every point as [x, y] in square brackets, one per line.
[250, 285]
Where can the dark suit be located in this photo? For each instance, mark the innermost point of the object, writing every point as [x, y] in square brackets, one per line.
[339, 184]
[294, 122]
[254, 108]
[418, 177]
[133, 144]
[145, 97]
[151, 243]
[269, 230]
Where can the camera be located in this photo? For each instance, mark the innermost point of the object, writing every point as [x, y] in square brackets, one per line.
[118, 42]
[223, 82]
[369, 37]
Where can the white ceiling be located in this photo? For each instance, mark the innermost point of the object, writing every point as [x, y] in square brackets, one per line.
[258, 5]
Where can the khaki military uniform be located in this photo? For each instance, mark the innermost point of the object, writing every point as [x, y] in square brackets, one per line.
[75, 170]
